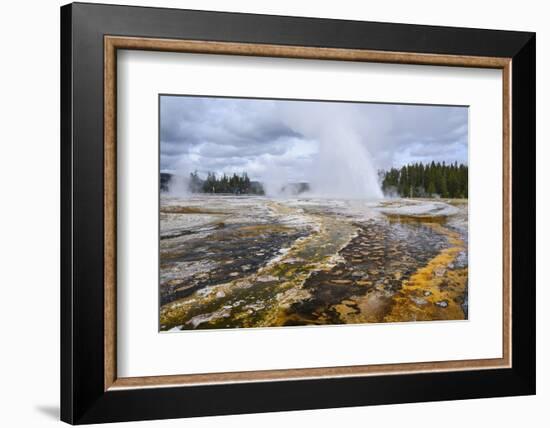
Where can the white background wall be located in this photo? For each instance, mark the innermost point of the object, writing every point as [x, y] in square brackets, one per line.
[29, 214]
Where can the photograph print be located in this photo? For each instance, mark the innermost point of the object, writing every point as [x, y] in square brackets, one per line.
[279, 213]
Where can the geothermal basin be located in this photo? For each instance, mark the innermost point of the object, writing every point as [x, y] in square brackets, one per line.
[253, 261]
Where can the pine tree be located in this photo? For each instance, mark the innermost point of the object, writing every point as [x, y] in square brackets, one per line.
[431, 180]
[431, 189]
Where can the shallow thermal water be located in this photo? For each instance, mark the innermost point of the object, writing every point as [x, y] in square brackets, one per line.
[247, 261]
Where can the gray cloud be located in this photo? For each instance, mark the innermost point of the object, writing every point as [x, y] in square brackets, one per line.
[292, 140]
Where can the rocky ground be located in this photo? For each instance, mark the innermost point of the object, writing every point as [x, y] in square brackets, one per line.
[256, 262]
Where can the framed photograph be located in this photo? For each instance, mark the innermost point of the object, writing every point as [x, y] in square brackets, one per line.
[266, 213]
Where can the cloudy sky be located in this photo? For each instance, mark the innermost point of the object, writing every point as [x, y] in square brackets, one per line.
[295, 140]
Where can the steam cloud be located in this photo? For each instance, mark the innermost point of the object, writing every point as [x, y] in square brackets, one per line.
[343, 166]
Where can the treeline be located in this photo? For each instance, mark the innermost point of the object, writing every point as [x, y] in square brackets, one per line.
[236, 184]
[429, 180]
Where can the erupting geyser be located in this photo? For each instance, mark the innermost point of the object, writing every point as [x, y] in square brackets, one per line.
[343, 167]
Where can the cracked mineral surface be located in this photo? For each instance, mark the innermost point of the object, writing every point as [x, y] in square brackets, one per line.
[250, 261]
